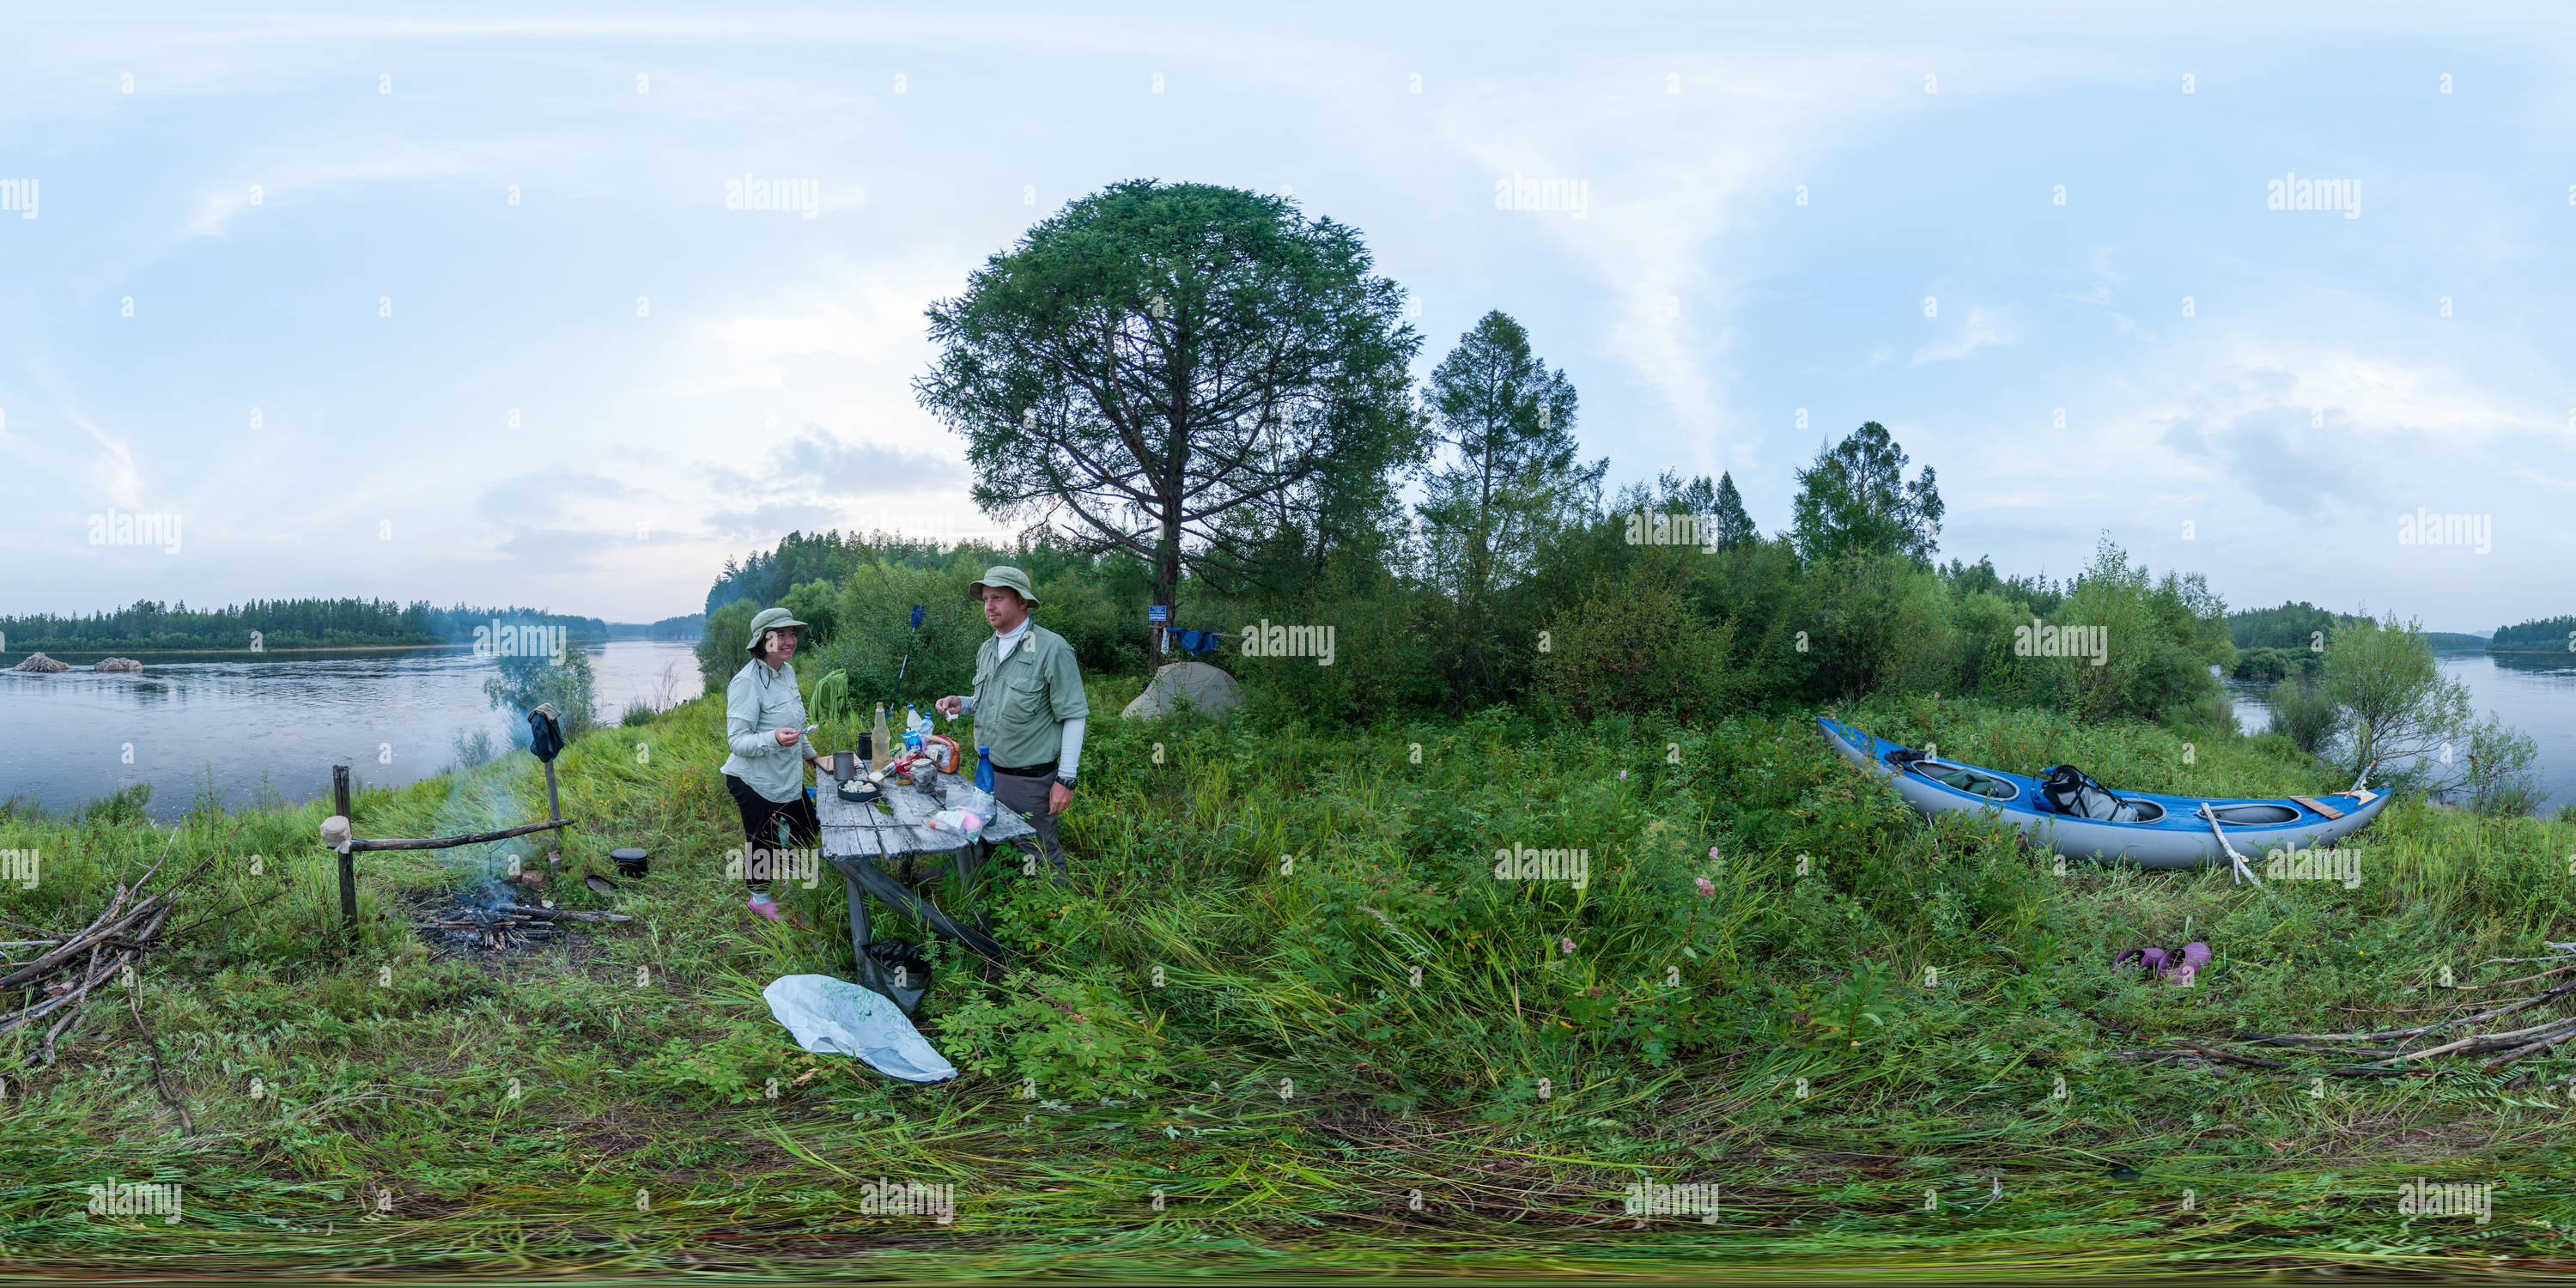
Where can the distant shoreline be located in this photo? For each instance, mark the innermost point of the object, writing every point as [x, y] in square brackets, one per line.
[13, 656]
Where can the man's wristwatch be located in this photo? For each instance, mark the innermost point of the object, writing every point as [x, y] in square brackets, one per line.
[1065, 782]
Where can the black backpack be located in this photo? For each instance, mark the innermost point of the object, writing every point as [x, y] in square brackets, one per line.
[2070, 791]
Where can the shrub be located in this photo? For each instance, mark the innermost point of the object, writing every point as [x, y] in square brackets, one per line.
[1881, 623]
[720, 647]
[2302, 713]
[1637, 649]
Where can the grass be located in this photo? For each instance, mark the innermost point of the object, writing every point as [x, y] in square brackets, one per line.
[1224, 1009]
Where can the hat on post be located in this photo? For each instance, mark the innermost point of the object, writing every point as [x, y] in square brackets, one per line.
[1008, 577]
[770, 619]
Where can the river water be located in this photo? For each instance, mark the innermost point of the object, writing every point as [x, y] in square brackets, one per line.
[250, 726]
[2534, 692]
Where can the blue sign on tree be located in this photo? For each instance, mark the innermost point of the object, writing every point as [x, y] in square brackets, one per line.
[1158, 612]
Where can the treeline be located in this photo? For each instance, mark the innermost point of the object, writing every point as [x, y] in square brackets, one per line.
[152, 626]
[683, 629]
[1603, 612]
[2543, 635]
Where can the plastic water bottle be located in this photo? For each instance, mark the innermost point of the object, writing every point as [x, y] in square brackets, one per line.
[983, 769]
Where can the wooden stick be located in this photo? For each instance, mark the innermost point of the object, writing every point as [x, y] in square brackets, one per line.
[2216, 1054]
[567, 914]
[447, 842]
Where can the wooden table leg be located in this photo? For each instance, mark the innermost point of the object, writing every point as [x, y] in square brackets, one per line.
[859, 936]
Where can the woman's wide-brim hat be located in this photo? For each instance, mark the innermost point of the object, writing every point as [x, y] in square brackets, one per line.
[770, 619]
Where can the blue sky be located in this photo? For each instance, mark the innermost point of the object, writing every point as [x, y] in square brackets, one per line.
[691, 381]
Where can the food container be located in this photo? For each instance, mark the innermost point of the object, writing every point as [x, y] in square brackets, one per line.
[631, 863]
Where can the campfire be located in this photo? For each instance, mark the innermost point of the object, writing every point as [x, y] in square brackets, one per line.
[494, 924]
[481, 929]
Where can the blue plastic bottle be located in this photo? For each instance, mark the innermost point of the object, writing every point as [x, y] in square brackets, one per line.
[983, 769]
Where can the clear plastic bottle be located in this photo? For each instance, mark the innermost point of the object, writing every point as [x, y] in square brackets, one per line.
[881, 746]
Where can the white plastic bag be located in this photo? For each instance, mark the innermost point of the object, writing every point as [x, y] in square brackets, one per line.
[836, 1017]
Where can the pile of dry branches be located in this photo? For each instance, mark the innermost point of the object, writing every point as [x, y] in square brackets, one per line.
[68, 968]
[2453, 1040]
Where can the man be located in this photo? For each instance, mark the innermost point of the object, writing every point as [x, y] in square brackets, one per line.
[765, 731]
[1028, 706]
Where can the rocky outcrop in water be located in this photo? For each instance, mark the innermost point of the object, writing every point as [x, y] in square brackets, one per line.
[118, 664]
[41, 665]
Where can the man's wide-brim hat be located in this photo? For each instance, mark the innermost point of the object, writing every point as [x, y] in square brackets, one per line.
[1007, 576]
[770, 619]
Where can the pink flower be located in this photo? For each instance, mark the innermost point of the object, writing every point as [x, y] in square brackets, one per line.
[1706, 888]
[1565, 946]
[1623, 775]
[1712, 851]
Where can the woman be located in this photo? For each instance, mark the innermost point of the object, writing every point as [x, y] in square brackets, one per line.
[765, 726]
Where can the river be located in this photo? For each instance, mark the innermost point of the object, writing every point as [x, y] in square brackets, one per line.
[2534, 692]
[250, 726]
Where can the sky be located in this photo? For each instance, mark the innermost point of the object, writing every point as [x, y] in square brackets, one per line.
[446, 302]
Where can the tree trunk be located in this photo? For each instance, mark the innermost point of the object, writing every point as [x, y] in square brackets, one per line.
[1167, 588]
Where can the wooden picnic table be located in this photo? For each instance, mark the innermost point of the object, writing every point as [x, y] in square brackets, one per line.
[859, 838]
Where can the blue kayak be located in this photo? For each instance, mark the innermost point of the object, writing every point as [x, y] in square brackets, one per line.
[2156, 832]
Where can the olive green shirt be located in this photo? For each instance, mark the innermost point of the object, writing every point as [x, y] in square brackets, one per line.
[1022, 701]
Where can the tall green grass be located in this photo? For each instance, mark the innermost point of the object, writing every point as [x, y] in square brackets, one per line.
[1224, 1008]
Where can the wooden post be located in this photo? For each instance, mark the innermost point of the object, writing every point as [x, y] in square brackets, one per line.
[348, 860]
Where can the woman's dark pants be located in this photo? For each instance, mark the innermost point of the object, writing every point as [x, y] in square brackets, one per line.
[760, 817]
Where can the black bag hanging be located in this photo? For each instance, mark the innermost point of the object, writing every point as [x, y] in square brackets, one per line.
[545, 737]
[903, 970]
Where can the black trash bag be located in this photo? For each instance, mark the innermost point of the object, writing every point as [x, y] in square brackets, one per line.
[2071, 791]
[903, 970]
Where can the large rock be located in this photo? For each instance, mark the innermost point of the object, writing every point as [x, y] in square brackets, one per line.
[41, 665]
[118, 664]
[1195, 685]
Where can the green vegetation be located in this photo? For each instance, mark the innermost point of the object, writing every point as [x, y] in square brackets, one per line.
[1519, 1088]
[2541, 635]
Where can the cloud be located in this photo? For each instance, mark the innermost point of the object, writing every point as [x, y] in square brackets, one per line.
[555, 519]
[1982, 330]
[348, 161]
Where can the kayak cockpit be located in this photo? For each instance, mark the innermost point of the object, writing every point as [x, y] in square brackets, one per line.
[2254, 814]
[1966, 778]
